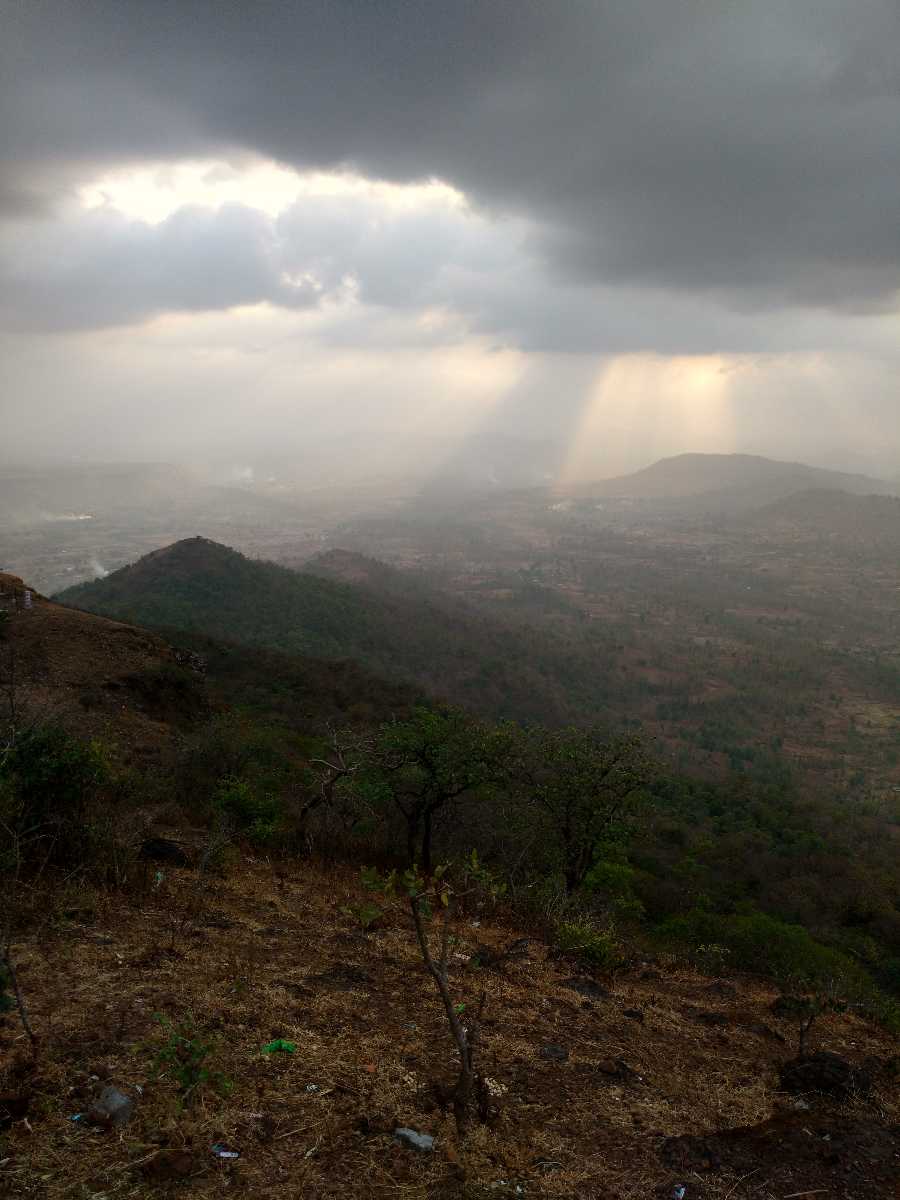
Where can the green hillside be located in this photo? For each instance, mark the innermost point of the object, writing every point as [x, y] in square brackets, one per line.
[393, 624]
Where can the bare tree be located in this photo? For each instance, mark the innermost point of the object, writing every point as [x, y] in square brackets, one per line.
[465, 1035]
[424, 897]
[345, 755]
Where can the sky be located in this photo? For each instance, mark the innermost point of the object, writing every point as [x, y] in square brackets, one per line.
[633, 229]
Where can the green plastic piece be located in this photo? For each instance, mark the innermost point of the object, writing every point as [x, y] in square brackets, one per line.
[280, 1045]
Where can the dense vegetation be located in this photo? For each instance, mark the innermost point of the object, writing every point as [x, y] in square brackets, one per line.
[609, 853]
[591, 829]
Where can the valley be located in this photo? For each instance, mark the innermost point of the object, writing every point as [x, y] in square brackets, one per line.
[759, 635]
[735, 639]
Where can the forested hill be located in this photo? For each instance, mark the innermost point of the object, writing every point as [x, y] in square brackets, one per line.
[347, 606]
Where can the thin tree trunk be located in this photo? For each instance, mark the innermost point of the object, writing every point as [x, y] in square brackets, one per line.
[462, 1092]
[426, 844]
[10, 969]
[412, 837]
[571, 876]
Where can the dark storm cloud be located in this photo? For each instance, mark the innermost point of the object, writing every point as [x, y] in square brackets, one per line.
[376, 268]
[102, 269]
[748, 150]
[96, 268]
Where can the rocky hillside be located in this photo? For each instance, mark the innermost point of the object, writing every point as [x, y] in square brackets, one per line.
[256, 1027]
[317, 1042]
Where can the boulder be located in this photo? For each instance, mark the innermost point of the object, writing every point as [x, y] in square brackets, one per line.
[414, 1140]
[827, 1073]
[585, 986]
[172, 1165]
[164, 850]
[111, 1109]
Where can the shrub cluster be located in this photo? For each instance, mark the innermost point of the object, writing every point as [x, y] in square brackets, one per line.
[577, 830]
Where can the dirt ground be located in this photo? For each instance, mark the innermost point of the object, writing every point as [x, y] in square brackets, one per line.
[588, 1101]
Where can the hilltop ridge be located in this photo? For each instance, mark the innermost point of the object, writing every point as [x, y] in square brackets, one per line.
[609, 1069]
[345, 606]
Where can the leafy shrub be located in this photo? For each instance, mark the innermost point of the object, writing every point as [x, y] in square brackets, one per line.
[595, 946]
[615, 881]
[49, 782]
[760, 943]
[711, 959]
[231, 745]
[257, 814]
[480, 888]
[185, 1057]
[367, 915]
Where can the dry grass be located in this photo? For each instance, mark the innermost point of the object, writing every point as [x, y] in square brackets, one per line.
[269, 956]
[76, 668]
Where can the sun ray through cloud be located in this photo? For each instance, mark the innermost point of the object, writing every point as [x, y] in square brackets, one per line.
[644, 406]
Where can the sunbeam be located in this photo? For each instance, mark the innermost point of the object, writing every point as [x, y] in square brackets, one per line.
[644, 406]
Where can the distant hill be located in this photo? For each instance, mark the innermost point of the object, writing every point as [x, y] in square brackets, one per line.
[728, 481]
[345, 606]
[62, 495]
[872, 521]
